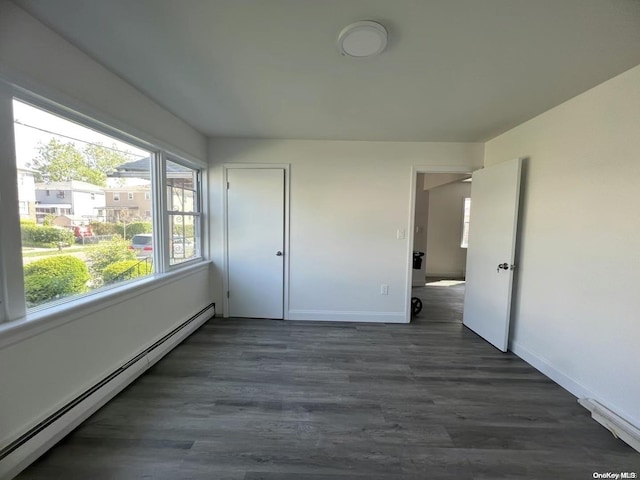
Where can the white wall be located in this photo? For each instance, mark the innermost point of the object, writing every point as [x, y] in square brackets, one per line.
[43, 363]
[444, 256]
[26, 187]
[432, 180]
[576, 304]
[36, 57]
[347, 201]
[43, 372]
[84, 206]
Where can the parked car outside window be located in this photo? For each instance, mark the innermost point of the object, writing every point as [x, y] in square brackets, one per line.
[142, 244]
[83, 234]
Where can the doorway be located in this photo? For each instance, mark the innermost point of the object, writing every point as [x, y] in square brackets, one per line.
[492, 247]
[439, 244]
[255, 241]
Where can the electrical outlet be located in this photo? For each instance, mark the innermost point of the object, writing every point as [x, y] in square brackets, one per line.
[384, 289]
[401, 234]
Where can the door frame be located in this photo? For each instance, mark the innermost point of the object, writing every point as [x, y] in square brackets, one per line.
[415, 170]
[225, 238]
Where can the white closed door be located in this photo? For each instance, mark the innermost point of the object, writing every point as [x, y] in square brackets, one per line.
[495, 193]
[255, 242]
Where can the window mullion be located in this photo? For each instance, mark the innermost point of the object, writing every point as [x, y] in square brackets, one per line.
[159, 196]
[198, 189]
[181, 212]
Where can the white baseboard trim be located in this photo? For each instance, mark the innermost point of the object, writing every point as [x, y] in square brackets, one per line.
[622, 426]
[544, 366]
[20, 458]
[347, 316]
[617, 425]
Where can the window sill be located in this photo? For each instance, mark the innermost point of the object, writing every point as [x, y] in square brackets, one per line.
[40, 321]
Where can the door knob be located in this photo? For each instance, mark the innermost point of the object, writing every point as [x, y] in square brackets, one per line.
[278, 253]
[502, 266]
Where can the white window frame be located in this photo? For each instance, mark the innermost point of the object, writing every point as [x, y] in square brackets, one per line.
[116, 196]
[197, 213]
[13, 311]
[465, 224]
[129, 195]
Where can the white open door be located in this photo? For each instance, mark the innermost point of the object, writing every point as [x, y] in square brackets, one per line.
[255, 242]
[495, 192]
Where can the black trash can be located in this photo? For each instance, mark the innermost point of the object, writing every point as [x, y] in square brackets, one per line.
[417, 260]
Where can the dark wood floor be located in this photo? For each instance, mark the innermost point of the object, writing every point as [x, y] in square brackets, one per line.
[264, 399]
[442, 300]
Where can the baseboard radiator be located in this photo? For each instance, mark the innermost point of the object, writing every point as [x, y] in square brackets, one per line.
[23, 451]
[617, 425]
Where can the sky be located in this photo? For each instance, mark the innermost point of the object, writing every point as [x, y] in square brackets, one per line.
[28, 138]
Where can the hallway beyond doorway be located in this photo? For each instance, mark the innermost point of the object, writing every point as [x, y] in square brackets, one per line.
[442, 300]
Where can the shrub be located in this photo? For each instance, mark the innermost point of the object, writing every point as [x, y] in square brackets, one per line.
[107, 253]
[188, 230]
[130, 229]
[42, 236]
[54, 277]
[126, 270]
[102, 228]
[48, 220]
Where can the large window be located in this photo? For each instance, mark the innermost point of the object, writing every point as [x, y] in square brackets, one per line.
[78, 235]
[183, 211]
[68, 247]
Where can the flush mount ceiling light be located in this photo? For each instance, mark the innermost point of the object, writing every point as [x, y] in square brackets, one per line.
[362, 39]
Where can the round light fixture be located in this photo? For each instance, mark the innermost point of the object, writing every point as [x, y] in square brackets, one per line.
[362, 39]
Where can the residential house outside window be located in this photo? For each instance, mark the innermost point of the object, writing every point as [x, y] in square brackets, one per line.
[23, 209]
[68, 249]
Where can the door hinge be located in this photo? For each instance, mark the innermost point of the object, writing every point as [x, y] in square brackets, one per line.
[227, 185]
[227, 293]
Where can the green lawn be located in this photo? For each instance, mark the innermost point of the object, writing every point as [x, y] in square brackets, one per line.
[27, 252]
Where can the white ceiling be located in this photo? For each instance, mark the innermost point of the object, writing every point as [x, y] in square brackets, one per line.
[454, 70]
